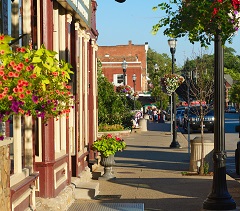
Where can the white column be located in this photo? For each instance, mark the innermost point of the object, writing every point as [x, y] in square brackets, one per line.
[86, 84]
[28, 143]
[38, 24]
[17, 144]
[95, 111]
[80, 90]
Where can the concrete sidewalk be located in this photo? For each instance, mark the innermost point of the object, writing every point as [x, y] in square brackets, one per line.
[149, 172]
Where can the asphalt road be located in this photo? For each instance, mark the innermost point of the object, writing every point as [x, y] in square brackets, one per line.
[231, 140]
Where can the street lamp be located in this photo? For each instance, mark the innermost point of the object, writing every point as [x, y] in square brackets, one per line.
[124, 67]
[172, 44]
[134, 78]
[219, 198]
[156, 67]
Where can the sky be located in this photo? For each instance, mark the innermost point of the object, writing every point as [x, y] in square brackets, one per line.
[117, 23]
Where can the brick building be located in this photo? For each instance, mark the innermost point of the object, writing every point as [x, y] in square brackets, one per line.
[112, 58]
[41, 161]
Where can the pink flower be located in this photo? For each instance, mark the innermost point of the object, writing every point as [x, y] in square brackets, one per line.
[11, 74]
[109, 135]
[118, 138]
[21, 96]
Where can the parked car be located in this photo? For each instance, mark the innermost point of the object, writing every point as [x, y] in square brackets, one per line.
[231, 109]
[194, 119]
[180, 116]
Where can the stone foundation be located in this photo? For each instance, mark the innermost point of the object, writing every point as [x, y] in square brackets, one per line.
[4, 178]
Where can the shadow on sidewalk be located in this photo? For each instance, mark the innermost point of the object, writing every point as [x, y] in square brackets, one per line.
[186, 193]
[154, 126]
[152, 159]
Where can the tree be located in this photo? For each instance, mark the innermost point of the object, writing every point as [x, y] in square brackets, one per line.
[164, 66]
[199, 88]
[232, 67]
[112, 107]
[206, 21]
[199, 20]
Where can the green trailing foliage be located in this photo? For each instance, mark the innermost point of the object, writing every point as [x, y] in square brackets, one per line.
[108, 145]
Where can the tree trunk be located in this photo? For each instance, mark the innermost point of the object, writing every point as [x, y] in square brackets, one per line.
[201, 172]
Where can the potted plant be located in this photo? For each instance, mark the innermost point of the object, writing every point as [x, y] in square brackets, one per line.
[108, 145]
[33, 82]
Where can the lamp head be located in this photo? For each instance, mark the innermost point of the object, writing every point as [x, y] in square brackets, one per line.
[120, 1]
[172, 42]
[134, 77]
[124, 65]
[156, 67]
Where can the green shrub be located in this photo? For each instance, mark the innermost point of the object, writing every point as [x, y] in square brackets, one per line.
[106, 127]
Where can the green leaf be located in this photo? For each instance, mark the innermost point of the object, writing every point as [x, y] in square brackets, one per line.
[36, 60]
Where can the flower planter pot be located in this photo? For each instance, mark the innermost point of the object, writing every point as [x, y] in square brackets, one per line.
[107, 163]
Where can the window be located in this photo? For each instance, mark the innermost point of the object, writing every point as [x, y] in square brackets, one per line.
[118, 79]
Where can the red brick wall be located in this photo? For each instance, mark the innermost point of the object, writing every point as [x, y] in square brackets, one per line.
[135, 57]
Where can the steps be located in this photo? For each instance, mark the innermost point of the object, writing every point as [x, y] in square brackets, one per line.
[86, 190]
[85, 186]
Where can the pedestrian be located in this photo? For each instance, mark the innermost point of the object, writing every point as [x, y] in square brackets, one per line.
[155, 115]
[159, 116]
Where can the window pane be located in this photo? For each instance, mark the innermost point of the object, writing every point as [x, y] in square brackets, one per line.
[119, 79]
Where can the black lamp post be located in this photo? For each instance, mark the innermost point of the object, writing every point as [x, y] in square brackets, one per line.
[124, 67]
[172, 44]
[219, 198]
[156, 68]
[134, 78]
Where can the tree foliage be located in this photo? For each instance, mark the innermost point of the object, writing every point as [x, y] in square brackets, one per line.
[199, 20]
[164, 66]
[199, 87]
[112, 107]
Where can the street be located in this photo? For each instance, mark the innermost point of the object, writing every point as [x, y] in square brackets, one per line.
[231, 139]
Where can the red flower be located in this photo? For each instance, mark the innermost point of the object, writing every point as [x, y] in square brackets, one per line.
[21, 96]
[22, 50]
[28, 68]
[33, 76]
[235, 4]
[16, 75]
[11, 74]
[12, 63]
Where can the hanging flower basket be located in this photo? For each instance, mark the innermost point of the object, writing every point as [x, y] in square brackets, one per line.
[200, 20]
[170, 82]
[125, 89]
[33, 82]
